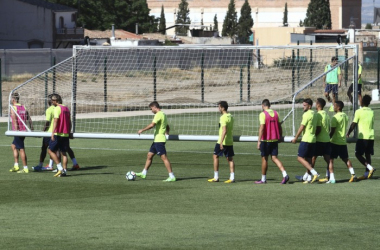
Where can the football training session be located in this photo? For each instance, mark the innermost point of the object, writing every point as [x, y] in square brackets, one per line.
[192, 147]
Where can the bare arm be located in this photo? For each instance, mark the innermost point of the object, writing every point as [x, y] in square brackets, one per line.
[261, 132]
[55, 122]
[318, 130]
[167, 129]
[332, 131]
[302, 127]
[224, 132]
[29, 119]
[352, 127]
[146, 128]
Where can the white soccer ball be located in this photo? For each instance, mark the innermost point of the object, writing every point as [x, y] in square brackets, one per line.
[131, 176]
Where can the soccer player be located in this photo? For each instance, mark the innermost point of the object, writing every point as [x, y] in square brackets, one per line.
[60, 134]
[339, 124]
[161, 125]
[20, 117]
[269, 133]
[360, 84]
[322, 137]
[224, 146]
[332, 81]
[307, 146]
[364, 119]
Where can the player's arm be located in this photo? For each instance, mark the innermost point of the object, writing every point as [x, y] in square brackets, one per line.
[167, 129]
[29, 119]
[55, 122]
[318, 130]
[302, 127]
[352, 127]
[146, 128]
[223, 135]
[324, 81]
[46, 126]
[261, 132]
[332, 131]
[14, 119]
[340, 76]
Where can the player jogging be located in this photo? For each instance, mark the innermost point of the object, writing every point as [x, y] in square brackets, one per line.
[307, 146]
[20, 117]
[269, 133]
[60, 134]
[161, 125]
[332, 81]
[339, 124]
[224, 146]
[364, 119]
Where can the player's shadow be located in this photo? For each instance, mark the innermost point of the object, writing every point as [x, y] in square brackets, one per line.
[191, 178]
[89, 168]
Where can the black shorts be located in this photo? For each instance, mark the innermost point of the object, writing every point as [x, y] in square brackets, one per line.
[158, 148]
[228, 151]
[306, 149]
[61, 143]
[338, 150]
[269, 148]
[364, 147]
[322, 148]
[18, 141]
[351, 89]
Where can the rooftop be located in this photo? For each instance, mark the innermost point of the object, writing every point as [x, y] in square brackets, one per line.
[119, 34]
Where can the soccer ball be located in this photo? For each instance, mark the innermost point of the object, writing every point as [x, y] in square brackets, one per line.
[131, 176]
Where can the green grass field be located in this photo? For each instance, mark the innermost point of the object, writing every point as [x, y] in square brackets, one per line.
[97, 208]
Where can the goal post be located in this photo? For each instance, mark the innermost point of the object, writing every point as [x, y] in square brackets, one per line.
[108, 89]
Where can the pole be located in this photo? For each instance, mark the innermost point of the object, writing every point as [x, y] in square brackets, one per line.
[311, 63]
[53, 74]
[202, 79]
[46, 90]
[105, 85]
[298, 65]
[346, 67]
[74, 92]
[1, 92]
[154, 79]
[293, 71]
[241, 83]
[378, 67]
[249, 78]
[258, 59]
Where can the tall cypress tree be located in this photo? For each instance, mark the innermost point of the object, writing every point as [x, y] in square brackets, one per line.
[318, 14]
[245, 23]
[285, 19]
[230, 21]
[216, 23]
[162, 25]
[183, 17]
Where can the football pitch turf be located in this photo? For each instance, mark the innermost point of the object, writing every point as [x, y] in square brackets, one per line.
[97, 208]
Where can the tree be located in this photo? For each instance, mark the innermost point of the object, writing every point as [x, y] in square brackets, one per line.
[318, 14]
[162, 25]
[368, 26]
[245, 23]
[285, 19]
[216, 23]
[230, 21]
[182, 18]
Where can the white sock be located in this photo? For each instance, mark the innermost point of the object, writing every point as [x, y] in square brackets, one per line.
[352, 171]
[51, 162]
[308, 178]
[313, 172]
[263, 178]
[59, 166]
[216, 175]
[16, 165]
[74, 161]
[171, 175]
[305, 176]
[25, 167]
[284, 174]
[332, 177]
[144, 171]
[369, 167]
[232, 176]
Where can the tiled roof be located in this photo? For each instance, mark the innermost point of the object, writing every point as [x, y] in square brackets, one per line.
[48, 5]
[119, 34]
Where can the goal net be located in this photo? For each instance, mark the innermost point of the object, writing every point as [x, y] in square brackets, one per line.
[108, 89]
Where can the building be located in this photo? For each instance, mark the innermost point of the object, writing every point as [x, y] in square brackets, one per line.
[37, 24]
[265, 13]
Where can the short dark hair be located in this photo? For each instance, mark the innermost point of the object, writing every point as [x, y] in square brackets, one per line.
[321, 102]
[266, 103]
[366, 100]
[340, 104]
[223, 104]
[334, 58]
[154, 104]
[308, 101]
[16, 96]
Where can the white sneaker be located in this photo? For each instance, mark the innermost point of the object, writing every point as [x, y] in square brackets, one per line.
[54, 170]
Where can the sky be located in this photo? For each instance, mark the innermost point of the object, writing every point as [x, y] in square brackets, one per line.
[367, 10]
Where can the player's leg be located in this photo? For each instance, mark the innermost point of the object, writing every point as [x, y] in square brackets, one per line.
[215, 157]
[52, 150]
[327, 92]
[44, 146]
[231, 165]
[15, 157]
[149, 159]
[331, 171]
[305, 154]
[349, 92]
[73, 159]
[264, 148]
[161, 149]
[365, 147]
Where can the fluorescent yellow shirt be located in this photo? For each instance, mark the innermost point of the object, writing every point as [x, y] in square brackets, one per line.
[228, 121]
[309, 120]
[161, 122]
[364, 117]
[339, 122]
[323, 121]
[333, 76]
[50, 117]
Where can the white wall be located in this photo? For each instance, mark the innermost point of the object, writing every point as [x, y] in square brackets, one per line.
[67, 19]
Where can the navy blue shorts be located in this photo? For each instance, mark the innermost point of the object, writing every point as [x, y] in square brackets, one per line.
[331, 88]
[306, 149]
[61, 143]
[45, 141]
[351, 89]
[322, 148]
[269, 148]
[228, 151]
[338, 150]
[158, 148]
[364, 147]
[18, 141]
